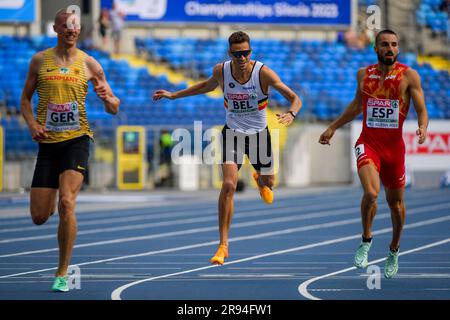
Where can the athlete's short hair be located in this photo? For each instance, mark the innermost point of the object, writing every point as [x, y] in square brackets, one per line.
[385, 31]
[238, 37]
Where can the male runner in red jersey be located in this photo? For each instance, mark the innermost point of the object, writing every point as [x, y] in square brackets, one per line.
[383, 95]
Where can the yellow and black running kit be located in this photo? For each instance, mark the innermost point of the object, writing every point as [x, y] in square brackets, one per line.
[62, 93]
[61, 110]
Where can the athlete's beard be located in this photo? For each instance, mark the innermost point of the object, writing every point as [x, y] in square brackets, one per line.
[243, 65]
[387, 62]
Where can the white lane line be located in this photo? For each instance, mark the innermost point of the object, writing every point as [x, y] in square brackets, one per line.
[334, 290]
[319, 214]
[112, 212]
[196, 231]
[128, 268]
[144, 254]
[235, 226]
[155, 216]
[242, 211]
[238, 225]
[150, 263]
[275, 268]
[212, 228]
[205, 244]
[419, 267]
[249, 237]
[117, 292]
[139, 215]
[252, 213]
[424, 275]
[303, 287]
[249, 275]
[89, 216]
[143, 211]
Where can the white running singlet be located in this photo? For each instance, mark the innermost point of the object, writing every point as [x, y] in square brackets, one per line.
[245, 103]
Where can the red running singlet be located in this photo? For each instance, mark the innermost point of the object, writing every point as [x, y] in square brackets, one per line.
[381, 142]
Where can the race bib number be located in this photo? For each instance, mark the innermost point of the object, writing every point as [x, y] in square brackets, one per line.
[63, 117]
[382, 113]
[242, 103]
[359, 151]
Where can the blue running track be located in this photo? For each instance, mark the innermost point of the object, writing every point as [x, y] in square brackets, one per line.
[299, 248]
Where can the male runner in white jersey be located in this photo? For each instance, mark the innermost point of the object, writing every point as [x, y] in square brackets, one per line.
[245, 84]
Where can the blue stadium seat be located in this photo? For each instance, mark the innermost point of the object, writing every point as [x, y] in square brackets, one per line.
[322, 73]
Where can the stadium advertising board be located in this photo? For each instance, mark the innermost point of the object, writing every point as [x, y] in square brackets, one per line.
[14, 11]
[306, 12]
[433, 154]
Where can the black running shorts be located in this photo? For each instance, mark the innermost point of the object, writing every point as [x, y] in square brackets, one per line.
[257, 147]
[54, 158]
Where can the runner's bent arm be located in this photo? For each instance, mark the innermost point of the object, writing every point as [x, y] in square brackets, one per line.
[415, 89]
[101, 86]
[350, 113]
[199, 88]
[38, 132]
[270, 78]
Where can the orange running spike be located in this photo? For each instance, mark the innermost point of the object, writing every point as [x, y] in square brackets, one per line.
[221, 254]
[265, 192]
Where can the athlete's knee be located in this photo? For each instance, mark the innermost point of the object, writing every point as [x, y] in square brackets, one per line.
[229, 187]
[370, 195]
[66, 204]
[396, 206]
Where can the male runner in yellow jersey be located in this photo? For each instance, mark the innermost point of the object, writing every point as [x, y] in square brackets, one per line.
[61, 76]
[245, 84]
